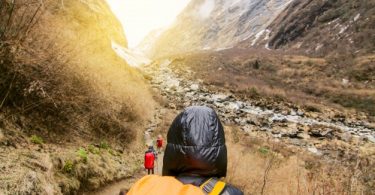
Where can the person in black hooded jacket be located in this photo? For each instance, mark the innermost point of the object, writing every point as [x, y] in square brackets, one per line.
[196, 152]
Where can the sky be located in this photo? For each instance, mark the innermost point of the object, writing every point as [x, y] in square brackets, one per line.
[139, 17]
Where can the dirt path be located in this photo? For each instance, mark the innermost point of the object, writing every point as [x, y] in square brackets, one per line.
[125, 184]
[114, 188]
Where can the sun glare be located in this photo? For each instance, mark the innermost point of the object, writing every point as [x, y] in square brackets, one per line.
[139, 17]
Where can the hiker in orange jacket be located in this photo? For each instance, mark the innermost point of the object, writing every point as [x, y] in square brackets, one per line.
[194, 160]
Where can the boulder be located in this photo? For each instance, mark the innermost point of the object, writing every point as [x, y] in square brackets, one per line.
[321, 133]
[194, 87]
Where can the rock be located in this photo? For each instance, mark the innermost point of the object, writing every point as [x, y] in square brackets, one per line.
[346, 137]
[220, 97]
[371, 138]
[275, 131]
[320, 133]
[194, 87]
[300, 113]
[293, 113]
[290, 134]
[297, 142]
[233, 106]
[303, 135]
[314, 150]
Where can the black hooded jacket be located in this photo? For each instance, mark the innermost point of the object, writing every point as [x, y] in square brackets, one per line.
[196, 148]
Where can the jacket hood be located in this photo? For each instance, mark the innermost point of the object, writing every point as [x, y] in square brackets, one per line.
[196, 145]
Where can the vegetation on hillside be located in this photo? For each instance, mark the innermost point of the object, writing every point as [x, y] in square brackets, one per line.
[60, 75]
[62, 87]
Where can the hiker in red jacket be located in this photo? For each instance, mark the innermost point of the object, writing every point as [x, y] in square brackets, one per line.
[149, 160]
[159, 143]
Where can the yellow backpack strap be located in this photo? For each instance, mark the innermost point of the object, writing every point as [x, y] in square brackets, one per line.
[213, 186]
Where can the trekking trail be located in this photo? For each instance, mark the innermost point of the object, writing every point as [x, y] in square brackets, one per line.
[115, 187]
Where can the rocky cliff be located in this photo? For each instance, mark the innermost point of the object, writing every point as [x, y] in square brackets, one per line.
[323, 27]
[314, 27]
[217, 24]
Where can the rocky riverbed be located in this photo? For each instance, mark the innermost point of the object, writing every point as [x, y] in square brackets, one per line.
[290, 124]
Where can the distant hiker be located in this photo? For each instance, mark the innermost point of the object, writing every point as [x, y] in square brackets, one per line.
[194, 160]
[159, 143]
[148, 139]
[150, 160]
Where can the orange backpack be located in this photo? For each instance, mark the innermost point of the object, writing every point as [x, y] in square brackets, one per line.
[158, 185]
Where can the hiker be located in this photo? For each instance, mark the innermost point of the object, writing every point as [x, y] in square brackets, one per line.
[159, 143]
[149, 160]
[194, 159]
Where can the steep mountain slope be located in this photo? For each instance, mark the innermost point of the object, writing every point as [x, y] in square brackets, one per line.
[217, 24]
[321, 27]
[70, 107]
[314, 27]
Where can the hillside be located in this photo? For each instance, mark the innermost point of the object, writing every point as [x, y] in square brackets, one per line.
[281, 37]
[216, 24]
[312, 27]
[323, 27]
[68, 103]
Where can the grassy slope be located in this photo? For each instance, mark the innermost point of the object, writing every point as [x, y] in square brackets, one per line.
[62, 83]
[278, 76]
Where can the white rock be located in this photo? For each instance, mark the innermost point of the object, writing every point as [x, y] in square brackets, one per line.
[357, 17]
[345, 82]
[314, 150]
[219, 97]
[371, 138]
[233, 106]
[194, 87]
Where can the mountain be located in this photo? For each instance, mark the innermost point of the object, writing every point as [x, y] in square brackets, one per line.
[323, 27]
[217, 24]
[313, 27]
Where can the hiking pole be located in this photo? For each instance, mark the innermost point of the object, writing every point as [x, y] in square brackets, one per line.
[157, 166]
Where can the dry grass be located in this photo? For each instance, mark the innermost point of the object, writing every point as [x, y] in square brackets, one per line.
[284, 77]
[261, 166]
[61, 81]
[67, 79]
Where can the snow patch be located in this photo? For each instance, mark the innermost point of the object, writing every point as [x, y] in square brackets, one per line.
[268, 33]
[267, 46]
[257, 36]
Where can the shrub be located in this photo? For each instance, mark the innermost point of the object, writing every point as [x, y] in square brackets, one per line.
[68, 167]
[82, 154]
[103, 145]
[113, 153]
[93, 149]
[264, 150]
[253, 93]
[36, 139]
[311, 108]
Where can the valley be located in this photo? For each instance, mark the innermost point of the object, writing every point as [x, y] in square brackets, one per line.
[292, 81]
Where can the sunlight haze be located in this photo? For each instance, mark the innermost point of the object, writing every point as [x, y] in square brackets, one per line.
[139, 17]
